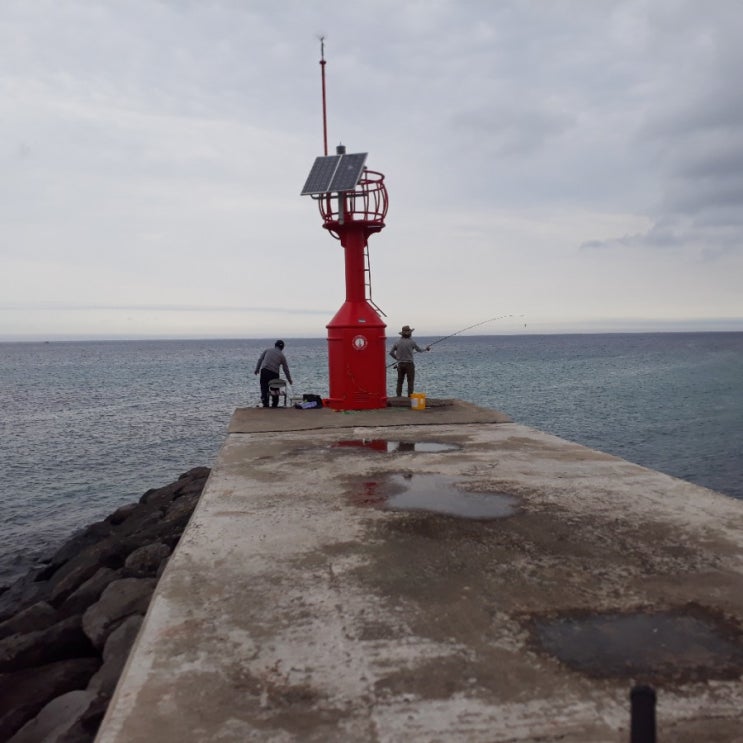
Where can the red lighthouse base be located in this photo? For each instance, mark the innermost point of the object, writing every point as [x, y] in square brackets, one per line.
[356, 358]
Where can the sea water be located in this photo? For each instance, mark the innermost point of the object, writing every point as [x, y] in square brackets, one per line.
[88, 426]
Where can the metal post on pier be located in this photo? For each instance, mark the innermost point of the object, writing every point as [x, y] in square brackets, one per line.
[642, 716]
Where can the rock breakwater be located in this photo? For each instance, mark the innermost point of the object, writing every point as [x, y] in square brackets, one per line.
[66, 628]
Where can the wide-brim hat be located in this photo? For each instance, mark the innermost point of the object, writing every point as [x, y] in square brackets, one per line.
[406, 329]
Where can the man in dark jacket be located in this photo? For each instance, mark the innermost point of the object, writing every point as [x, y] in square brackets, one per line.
[271, 360]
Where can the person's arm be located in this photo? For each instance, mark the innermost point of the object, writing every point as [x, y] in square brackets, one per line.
[285, 367]
[260, 361]
[393, 351]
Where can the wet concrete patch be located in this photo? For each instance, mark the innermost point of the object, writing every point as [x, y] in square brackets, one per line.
[684, 644]
[434, 493]
[390, 446]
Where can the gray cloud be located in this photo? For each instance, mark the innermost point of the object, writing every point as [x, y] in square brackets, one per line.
[511, 132]
[691, 133]
[711, 237]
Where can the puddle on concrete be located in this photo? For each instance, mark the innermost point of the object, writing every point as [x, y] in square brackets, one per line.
[435, 493]
[385, 445]
[671, 643]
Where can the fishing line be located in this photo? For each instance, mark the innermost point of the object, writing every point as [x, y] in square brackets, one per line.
[474, 325]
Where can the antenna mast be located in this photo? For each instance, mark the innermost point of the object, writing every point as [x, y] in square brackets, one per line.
[324, 113]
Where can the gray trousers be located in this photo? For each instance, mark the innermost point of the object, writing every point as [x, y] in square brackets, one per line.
[405, 369]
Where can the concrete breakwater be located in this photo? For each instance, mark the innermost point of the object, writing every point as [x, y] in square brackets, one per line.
[446, 574]
[66, 628]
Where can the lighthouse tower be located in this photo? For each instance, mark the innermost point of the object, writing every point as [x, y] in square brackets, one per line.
[353, 204]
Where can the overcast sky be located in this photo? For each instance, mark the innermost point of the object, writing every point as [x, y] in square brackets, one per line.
[574, 164]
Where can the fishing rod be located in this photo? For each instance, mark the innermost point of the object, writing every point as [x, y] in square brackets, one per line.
[469, 327]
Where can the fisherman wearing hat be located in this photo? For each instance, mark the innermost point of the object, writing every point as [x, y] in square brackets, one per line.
[271, 360]
[402, 352]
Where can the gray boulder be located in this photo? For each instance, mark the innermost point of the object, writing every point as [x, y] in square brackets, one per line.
[107, 553]
[27, 590]
[120, 599]
[145, 561]
[78, 542]
[62, 640]
[24, 693]
[35, 617]
[115, 654]
[56, 719]
[121, 514]
[89, 592]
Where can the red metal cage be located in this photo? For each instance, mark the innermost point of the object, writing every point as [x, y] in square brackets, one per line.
[366, 204]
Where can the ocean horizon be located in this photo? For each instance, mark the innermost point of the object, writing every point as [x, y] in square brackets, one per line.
[608, 327]
[89, 425]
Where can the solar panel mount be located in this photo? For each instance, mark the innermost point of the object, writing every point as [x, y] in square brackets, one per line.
[334, 173]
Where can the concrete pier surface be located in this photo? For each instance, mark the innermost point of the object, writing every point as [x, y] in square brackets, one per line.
[437, 575]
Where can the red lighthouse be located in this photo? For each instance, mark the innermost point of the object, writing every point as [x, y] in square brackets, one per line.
[353, 205]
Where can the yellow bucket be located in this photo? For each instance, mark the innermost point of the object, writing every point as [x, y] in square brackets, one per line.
[418, 401]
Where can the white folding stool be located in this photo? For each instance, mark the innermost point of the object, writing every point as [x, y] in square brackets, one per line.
[277, 388]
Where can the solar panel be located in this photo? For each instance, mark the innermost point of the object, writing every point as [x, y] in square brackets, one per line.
[318, 181]
[334, 173]
[348, 172]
